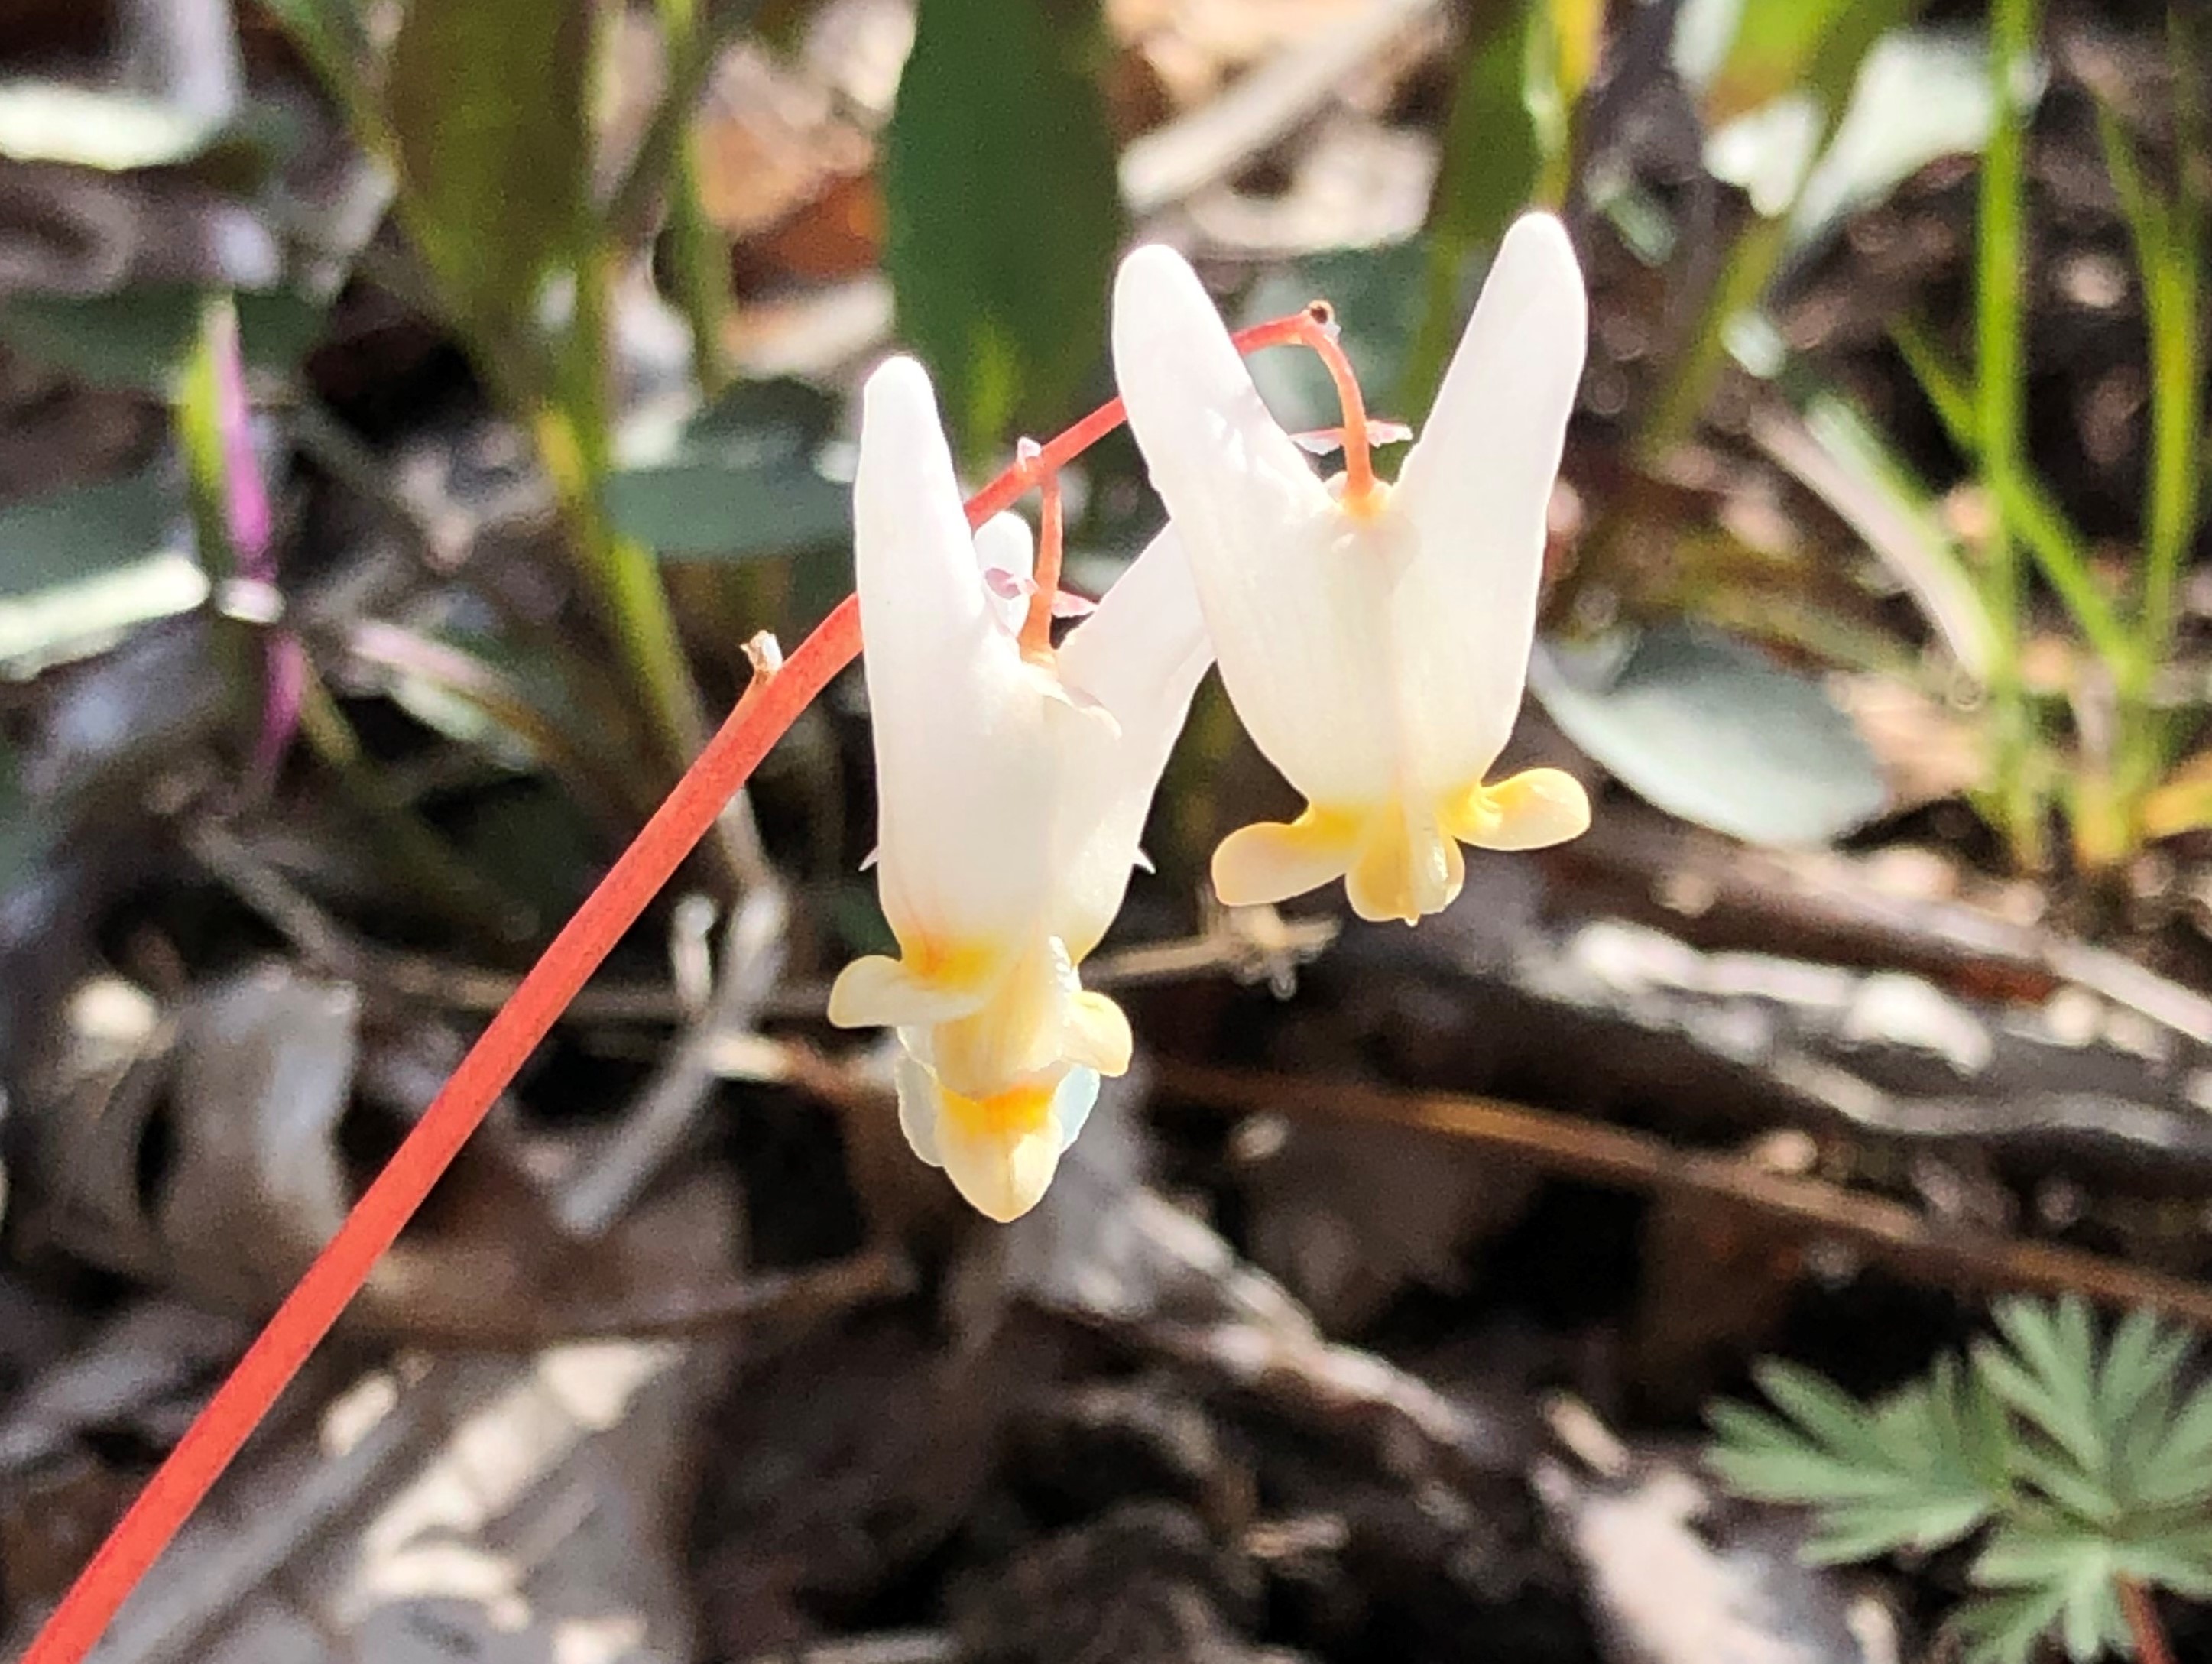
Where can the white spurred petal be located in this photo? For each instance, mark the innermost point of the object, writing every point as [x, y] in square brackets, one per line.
[1476, 489]
[1138, 657]
[1293, 594]
[1375, 647]
[1011, 794]
[964, 767]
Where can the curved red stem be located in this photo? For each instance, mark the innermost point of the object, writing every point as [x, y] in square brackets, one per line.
[299, 1325]
[1036, 624]
[2148, 1634]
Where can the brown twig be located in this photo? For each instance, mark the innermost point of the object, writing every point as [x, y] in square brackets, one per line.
[1888, 1231]
[867, 1277]
[1829, 909]
[619, 1164]
[1254, 945]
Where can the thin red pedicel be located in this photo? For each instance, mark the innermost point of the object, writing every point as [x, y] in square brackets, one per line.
[1319, 334]
[769, 708]
[1037, 625]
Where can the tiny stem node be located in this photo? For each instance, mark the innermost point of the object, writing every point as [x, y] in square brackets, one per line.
[764, 653]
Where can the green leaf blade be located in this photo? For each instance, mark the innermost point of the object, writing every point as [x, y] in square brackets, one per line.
[1710, 730]
[1002, 213]
[486, 102]
[1914, 1471]
[1495, 154]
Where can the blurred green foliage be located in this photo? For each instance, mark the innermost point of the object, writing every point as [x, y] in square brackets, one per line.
[2080, 1457]
[1003, 212]
[487, 104]
[1003, 216]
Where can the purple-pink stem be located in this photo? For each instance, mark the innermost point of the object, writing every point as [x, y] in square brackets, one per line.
[251, 524]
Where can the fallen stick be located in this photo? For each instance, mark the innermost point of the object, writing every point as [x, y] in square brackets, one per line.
[1898, 1236]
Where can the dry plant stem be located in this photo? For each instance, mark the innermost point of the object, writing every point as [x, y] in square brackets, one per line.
[2147, 1633]
[770, 706]
[1898, 1236]
[1245, 953]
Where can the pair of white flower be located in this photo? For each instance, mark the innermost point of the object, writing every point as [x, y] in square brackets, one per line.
[1373, 643]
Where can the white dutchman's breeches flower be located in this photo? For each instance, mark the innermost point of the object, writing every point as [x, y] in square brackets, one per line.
[1374, 645]
[1011, 789]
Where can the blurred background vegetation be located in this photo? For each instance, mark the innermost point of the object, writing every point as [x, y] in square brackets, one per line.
[412, 408]
[1863, 416]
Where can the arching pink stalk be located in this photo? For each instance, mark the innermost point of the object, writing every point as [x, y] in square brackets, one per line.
[250, 525]
[298, 1326]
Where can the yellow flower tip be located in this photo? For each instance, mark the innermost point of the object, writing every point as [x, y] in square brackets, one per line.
[1398, 862]
[1001, 1151]
[1012, 1114]
[1096, 1034]
[1408, 867]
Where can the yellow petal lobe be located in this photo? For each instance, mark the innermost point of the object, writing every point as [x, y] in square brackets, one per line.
[1408, 866]
[930, 982]
[1269, 861]
[1399, 859]
[1531, 811]
[1096, 1035]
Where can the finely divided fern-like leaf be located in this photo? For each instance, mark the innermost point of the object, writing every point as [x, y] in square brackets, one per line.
[2085, 1459]
[2114, 1448]
[2071, 1568]
[2004, 1628]
[2049, 1372]
[1920, 1470]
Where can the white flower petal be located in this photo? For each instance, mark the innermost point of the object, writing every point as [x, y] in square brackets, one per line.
[917, 1108]
[964, 767]
[1138, 657]
[1294, 590]
[1476, 489]
[1004, 544]
[1072, 1103]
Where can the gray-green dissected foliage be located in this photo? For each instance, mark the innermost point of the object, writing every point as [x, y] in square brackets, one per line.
[2081, 1461]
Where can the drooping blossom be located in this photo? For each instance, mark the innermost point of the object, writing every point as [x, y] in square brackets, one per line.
[1012, 780]
[1373, 637]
